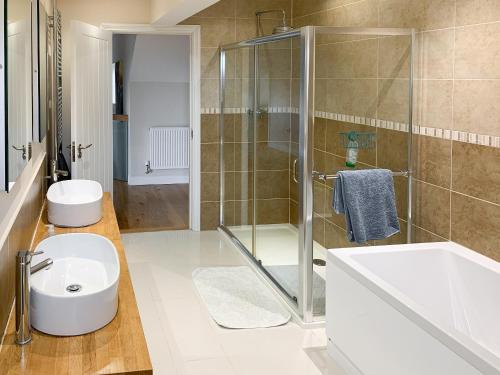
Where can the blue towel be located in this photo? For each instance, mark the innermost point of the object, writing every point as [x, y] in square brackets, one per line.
[367, 199]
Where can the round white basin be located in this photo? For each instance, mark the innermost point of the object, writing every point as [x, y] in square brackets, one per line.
[79, 292]
[74, 203]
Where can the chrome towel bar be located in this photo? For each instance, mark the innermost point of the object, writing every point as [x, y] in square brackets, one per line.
[325, 177]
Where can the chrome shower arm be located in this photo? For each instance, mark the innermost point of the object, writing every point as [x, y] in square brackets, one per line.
[282, 11]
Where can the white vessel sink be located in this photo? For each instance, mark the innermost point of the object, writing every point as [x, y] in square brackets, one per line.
[79, 292]
[75, 203]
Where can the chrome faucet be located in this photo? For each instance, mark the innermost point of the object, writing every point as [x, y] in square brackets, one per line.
[55, 173]
[23, 273]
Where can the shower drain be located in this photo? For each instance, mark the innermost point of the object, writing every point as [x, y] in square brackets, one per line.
[319, 262]
[74, 288]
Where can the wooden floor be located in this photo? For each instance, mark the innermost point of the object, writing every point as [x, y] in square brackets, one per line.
[151, 207]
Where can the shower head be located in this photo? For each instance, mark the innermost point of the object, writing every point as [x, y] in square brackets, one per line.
[283, 28]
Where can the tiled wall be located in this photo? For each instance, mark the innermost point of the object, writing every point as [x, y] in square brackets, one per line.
[19, 238]
[458, 94]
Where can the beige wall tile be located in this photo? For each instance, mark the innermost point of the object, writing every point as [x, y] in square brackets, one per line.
[243, 212]
[243, 185]
[352, 59]
[476, 225]
[209, 215]
[210, 187]
[477, 11]
[209, 128]
[247, 8]
[272, 156]
[210, 157]
[421, 235]
[320, 133]
[335, 237]
[357, 14]
[348, 96]
[272, 211]
[215, 31]
[400, 13]
[394, 57]
[433, 160]
[209, 93]
[476, 106]
[272, 184]
[275, 63]
[477, 51]
[476, 171]
[275, 92]
[436, 103]
[392, 150]
[437, 14]
[393, 100]
[243, 156]
[220, 9]
[305, 7]
[432, 208]
[319, 230]
[319, 199]
[424, 14]
[436, 54]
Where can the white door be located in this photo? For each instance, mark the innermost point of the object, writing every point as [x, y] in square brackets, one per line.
[91, 111]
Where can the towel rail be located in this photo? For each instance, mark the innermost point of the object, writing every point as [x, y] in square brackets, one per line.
[325, 177]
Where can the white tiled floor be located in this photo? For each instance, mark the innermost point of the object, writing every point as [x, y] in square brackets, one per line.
[181, 336]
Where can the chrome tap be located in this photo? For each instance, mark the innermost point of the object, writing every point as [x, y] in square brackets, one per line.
[23, 273]
[55, 173]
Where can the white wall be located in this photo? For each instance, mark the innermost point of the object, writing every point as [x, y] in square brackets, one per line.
[158, 96]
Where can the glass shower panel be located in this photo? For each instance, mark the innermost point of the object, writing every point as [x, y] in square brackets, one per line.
[276, 234]
[362, 90]
[238, 144]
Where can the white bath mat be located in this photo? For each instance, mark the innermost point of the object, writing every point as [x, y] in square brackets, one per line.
[236, 298]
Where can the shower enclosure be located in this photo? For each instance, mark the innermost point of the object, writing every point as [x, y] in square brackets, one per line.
[289, 105]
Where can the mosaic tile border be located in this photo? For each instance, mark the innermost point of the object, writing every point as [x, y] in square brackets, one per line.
[447, 134]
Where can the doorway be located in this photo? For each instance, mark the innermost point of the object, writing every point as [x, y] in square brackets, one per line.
[148, 147]
[151, 131]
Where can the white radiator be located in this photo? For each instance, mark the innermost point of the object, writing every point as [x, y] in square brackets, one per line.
[169, 147]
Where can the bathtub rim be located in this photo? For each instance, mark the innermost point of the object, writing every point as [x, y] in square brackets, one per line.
[461, 344]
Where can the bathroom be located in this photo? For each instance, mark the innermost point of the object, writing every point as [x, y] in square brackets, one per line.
[308, 89]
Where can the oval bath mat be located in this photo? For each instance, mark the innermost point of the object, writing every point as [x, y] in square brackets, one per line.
[237, 298]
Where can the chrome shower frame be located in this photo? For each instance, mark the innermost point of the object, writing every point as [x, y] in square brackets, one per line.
[303, 309]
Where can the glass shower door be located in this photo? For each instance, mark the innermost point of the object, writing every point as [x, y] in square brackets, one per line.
[237, 141]
[276, 163]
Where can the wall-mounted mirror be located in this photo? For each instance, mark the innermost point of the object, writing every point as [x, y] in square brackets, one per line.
[18, 110]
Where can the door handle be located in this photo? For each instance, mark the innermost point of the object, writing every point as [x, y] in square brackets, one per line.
[294, 174]
[81, 148]
[22, 148]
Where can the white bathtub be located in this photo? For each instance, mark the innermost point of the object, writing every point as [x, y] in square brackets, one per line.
[413, 309]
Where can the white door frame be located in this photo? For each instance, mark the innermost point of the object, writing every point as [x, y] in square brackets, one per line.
[195, 107]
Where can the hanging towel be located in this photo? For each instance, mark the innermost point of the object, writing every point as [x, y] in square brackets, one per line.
[366, 198]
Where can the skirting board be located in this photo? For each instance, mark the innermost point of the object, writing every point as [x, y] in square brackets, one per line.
[157, 180]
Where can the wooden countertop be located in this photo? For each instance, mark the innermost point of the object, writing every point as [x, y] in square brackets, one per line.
[118, 348]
